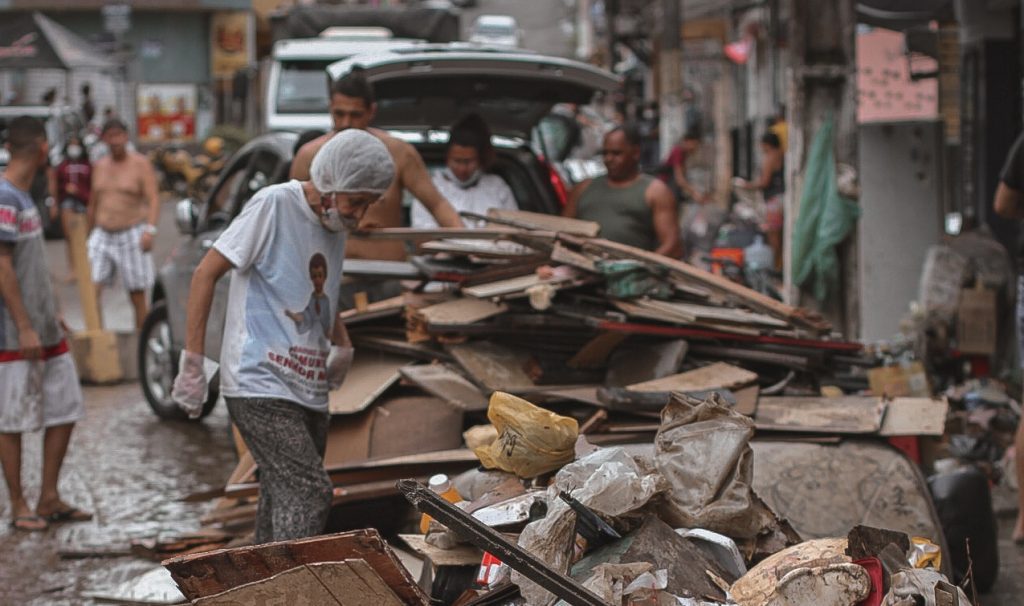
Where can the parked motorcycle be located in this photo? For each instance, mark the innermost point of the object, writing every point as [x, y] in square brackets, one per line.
[187, 175]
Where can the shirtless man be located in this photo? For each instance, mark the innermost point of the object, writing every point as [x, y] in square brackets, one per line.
[123, 215]
[353, 106]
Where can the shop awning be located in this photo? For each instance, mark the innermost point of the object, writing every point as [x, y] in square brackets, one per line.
[32, 40]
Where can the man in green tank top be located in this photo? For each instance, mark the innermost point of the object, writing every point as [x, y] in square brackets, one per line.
[631, 208]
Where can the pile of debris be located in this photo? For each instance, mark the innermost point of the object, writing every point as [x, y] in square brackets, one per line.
[611, 394]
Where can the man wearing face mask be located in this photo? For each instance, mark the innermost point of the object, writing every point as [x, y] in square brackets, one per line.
[463, 181]
[286, 249]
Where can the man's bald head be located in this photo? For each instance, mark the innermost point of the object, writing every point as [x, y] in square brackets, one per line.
[621, 153]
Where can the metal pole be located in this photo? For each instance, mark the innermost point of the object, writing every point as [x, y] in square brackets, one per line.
[670, 68]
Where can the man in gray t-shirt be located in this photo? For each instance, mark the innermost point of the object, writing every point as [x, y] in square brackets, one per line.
[38, 383]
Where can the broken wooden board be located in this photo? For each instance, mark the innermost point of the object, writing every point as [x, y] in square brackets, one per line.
[915, 417]
[638, 363]
[414, 234]
[338, 583]
[374, 268]
[371, 374]
[484, 249]
[741, 294]
[399, 346]
[376, 310]
[544, 222]
[459, 312]
[844, 415]
[153, 587]
[445, 383]
[218, 571]
[595, 353]
[492, 366]
[460, 555]
[505, 287]
[715, 376]
[566, 256]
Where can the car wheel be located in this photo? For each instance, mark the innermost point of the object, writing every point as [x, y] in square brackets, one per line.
[158, 365]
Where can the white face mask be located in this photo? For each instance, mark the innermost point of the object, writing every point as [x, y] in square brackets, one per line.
[468, 183]
[74, 152]
[334, 221]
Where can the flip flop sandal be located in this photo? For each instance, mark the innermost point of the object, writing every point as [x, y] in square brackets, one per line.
[71, 514]
[23, 523]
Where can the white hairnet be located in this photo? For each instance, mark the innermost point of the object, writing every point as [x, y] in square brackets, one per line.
[352, 161]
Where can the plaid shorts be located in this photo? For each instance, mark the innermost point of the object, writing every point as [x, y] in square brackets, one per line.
[120, 252]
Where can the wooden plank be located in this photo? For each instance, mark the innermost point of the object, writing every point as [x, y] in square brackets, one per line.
[374, 268]
[354, 583]
[492, 366]
[378, 309]
[645, 362]
[345, 583]
[843, 415]
[636, 328]
[563, 254]
[595, 353]
[505, 287]
[915, 417]
[495, 249]
[720, 314]
[371, 374]
[218, 571]
[545, 222]
[715, 376]
[446, 384]
[460, 555]
[753, 299]
[419, 351]
[412, 234]
[460, 311]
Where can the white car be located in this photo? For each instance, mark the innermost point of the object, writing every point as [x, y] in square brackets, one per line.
[496, 30]
[297, 94]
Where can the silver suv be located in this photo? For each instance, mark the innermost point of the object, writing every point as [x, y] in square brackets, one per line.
[419, 93]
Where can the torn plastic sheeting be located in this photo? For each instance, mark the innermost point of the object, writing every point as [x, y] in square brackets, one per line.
[702, 450]
[917, 586]
[551, 540]
[513, 511]
[609, 581]
[609, 481]
[719, 546]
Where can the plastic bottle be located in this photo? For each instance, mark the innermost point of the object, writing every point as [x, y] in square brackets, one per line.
[759, 255]
[441, 485]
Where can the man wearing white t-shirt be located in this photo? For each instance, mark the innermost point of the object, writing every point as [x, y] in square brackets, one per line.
[464, 181]
[286, 249]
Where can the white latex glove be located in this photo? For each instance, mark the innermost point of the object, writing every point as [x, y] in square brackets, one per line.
[339, 360]
[190, 389]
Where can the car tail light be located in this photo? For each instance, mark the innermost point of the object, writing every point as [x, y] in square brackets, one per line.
[561, 193]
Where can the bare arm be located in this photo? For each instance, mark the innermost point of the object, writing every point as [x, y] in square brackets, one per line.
[10, 291]
[1009, 202]
[150, 190]
[95, 197]
[416, 179]
[665, 216]
[680, 176]
[200, 298]
[303, 160]
[572, 204]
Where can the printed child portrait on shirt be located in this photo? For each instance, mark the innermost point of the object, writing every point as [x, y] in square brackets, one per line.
[317, 314]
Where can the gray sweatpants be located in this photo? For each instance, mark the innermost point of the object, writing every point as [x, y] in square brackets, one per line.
[287, 442]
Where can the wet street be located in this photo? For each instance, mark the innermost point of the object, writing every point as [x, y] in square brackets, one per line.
[129, 468]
